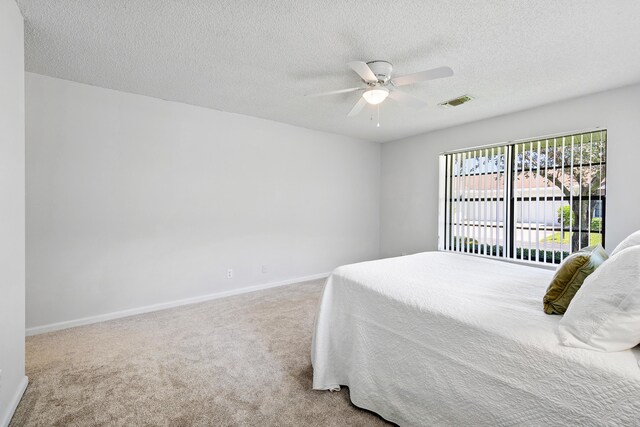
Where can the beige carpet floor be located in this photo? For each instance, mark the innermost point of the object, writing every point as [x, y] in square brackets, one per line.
[237, 361]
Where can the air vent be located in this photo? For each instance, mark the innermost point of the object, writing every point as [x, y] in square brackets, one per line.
[456, 101]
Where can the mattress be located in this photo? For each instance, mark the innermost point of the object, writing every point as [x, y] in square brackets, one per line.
[441, 338]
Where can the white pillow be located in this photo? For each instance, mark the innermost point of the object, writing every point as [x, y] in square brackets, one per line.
[605, 313]
[632, 240]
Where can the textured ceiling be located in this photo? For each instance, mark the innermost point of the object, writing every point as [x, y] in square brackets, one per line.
[259, 57]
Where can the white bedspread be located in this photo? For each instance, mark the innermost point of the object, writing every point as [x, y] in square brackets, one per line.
[449, 339]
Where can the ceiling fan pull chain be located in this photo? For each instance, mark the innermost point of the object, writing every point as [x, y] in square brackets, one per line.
[378, 125]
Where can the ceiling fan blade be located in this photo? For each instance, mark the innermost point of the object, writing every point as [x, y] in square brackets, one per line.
[357, 108]
[406, 99]
[435, 73]
[363, 71]
[335, 92]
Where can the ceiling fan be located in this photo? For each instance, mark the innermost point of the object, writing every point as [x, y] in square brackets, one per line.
[379, 85]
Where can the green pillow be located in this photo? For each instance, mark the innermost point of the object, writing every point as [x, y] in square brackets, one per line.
[569, 277]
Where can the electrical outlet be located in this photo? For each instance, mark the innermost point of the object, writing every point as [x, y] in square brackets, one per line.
[264, 269]
[230, 273]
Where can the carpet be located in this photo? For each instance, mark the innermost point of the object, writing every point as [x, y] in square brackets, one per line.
[237, 361]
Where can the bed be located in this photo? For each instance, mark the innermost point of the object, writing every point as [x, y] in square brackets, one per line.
[442, 338]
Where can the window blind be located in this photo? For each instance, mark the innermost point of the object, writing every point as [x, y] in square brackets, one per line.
[535, 200]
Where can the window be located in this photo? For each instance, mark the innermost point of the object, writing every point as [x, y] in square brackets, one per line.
[537, 200]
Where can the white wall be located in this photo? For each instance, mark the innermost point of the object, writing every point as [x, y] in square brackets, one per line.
[12, 263]
[409, 197]
[134, 201]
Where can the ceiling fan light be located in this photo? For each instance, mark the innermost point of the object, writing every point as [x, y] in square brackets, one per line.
[376, 95]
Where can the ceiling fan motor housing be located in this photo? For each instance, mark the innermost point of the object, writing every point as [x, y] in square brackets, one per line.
[382, 70]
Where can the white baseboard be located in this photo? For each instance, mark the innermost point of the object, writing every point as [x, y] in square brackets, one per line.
[6, 418]
[161, 306]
